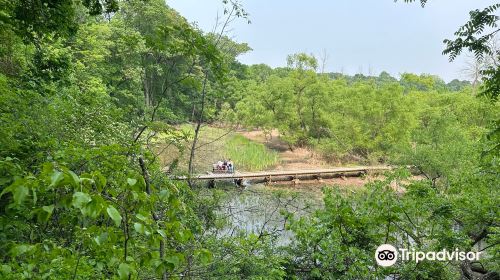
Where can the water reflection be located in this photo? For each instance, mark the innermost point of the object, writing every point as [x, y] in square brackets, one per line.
[258, 209]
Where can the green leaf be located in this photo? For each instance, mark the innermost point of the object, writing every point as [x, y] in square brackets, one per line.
[18, 190]
[55, 178]
[75, 180]
[80, 199]
[101, 238]
[139, 227]
[164, 194]
[141, 217]
[100, 181]
[20, 249]
[131, 182]
[204, 255]
[6, 190]
[162, 233]
[88, 182]
[20, 193]
[183, 235]
[174, 260]
[114, 214]
[124, 270]
[49, 208]
[35, 197]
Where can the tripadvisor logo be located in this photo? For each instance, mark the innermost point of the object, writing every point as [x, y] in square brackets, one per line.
[387, 255]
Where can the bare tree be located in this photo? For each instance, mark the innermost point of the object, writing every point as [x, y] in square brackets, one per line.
[220, 28]
[472, 70]
[474, 67]
[323, 58]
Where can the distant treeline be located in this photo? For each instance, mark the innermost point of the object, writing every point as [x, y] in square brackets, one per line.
[409, 81]
[357, 118]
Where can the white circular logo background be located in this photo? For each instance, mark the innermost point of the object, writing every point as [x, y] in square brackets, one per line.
[386, 255]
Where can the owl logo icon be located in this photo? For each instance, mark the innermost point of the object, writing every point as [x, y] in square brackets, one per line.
[386, 255]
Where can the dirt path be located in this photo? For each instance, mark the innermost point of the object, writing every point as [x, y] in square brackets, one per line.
[301, 158]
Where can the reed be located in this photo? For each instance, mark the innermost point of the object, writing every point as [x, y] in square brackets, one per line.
[248, 155]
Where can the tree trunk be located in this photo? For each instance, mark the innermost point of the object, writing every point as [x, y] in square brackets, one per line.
[145, 175]
[199, 121]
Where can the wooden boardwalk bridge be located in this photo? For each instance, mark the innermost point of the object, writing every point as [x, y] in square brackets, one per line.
[288, 175]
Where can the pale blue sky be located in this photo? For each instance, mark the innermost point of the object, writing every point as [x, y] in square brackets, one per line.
[358, 35]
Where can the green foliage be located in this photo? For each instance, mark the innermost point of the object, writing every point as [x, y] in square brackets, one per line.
[33, 19]
[475, 36]
[412, 82]
[338, 242]
[90, 89]
[74, 200]
[369, 120]
[251, 257]
[479, 21]
[94, 217]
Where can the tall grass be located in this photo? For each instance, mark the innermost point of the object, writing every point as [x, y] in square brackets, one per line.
[248, 155]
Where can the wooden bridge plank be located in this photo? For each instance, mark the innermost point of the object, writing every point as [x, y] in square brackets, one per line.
[243, 175]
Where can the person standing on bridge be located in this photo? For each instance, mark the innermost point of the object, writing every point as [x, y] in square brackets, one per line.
[230, 166]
